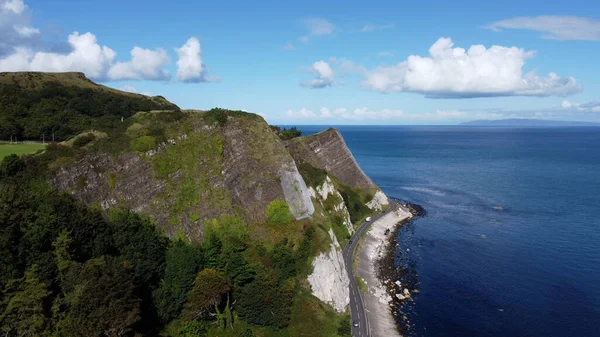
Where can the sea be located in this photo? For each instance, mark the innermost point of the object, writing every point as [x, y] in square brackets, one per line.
[510, 244]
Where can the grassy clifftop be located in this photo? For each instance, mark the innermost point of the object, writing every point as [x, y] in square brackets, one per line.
[59, 105]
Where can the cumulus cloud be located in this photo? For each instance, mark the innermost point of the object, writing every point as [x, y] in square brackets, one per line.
[145, 64]
[477, 72]
[323, 73]
[16, 29]
[553, 27]
[21, 49]
[86, 56]
[15, 6]
[189, 66]
[371, 28]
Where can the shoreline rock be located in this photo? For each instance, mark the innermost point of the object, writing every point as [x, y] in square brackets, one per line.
[400, 281]
[374, 248]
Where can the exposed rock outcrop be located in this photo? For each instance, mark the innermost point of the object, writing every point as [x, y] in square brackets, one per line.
[296, 193]
[324, 192]
[329, 280]
[201, 173]
[327, 150]
[378, 202]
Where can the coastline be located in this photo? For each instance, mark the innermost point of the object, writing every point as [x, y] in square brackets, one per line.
[373, 249]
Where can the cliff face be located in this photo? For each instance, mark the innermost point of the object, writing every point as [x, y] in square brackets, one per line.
[327, 150]
[201, 172]
[329, 280]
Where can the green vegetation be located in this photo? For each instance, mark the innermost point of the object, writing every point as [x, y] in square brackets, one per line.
[84, 140]
[362, 286]
[62, 105]
[19, 149]
[84, 273]
[278, 212]
[355, 202]
[70, 269]
[313, 176]
[286, 134]
[143, 143]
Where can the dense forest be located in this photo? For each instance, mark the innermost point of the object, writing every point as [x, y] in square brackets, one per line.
[68, 269]
[56, 111]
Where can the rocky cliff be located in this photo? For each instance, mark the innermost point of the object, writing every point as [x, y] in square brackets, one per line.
[201, 171]
[329, 280]
[327, 150]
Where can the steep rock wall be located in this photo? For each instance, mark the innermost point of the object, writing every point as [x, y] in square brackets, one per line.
[329, 280]
[258, 169]
[328, 150]
[202, 172]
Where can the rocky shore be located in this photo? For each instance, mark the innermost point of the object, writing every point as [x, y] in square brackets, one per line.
[395, 272]
[374, 248]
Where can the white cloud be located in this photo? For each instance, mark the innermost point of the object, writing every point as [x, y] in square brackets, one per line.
[16, 30]
[317, 27]
[145, 64]
[566, 104]
[129, 88]
[371, 28]
[189, 66]
[86, 56]
[345, 114]
[477, 72]
[323, 73]
[15, 6]
[22, 49]
[301, 114]
[593, 106]
[553, 27]
[25, 31]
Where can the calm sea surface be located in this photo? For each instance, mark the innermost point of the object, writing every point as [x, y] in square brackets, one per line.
[511, 242]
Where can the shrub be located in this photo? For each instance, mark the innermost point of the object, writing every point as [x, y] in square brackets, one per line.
[82, 141]
[278, 212]
[290, 133]
[10, 165]
[216, 116]
[143, 143]
[313, 176]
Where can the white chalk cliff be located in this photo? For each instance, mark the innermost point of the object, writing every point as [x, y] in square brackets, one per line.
[379, 200]
[329, 280]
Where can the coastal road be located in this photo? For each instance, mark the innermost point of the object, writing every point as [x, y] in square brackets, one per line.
[357, 307]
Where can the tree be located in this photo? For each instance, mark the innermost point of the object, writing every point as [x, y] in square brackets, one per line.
[141, 245]
[24, 306]
[101, 299]
[184, 261]
[10, 165]
[209, 287]
[278, 212]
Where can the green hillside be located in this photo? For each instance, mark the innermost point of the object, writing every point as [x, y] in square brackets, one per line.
[61, 105]
[168, 222]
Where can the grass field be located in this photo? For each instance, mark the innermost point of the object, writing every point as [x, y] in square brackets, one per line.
[19, 149]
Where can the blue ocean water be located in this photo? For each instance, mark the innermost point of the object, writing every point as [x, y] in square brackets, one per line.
[511, 242]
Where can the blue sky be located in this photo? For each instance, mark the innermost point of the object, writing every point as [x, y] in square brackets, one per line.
[334, 62]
